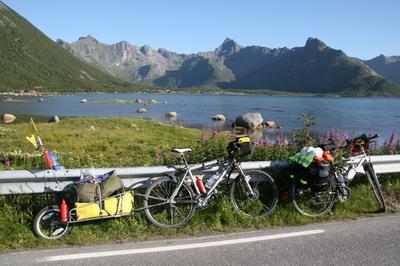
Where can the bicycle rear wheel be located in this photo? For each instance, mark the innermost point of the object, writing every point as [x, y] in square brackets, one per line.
[309, 202]
[375, 185]
[161, 211]
[265, 194]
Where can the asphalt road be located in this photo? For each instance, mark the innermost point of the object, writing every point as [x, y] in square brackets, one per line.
[368, 241]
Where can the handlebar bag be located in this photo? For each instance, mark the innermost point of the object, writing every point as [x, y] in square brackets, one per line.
[240, 147]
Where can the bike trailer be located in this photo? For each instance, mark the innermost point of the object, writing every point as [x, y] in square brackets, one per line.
[116, 205]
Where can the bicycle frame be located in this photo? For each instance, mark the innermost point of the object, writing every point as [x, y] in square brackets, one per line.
[225, 174]
[351, 171]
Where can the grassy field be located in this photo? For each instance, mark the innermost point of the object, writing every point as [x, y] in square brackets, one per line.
[122, 142]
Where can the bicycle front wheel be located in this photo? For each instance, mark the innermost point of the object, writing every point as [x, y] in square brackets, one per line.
[376, 186]
[264, 198]
[163, 211]
[47, 224]
[309, 202]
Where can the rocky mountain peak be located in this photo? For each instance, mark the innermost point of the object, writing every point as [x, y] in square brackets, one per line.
[315, 44]
[61, 42]
[88, 38]
[145, 49]
[390, 59]
[165, 52]
[228, 47]
[122, 45]
[382, 59]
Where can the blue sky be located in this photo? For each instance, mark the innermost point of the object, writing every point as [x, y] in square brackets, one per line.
[362, 29]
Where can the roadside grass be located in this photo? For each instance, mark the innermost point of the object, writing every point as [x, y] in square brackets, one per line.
[122, 142]
[115, 142]
[219, 217]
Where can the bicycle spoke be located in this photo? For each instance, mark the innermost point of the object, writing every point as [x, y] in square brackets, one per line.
[164, 190]
[264, 189]
[159, 193]
[168, 213]
[155, 198]
[311, 203]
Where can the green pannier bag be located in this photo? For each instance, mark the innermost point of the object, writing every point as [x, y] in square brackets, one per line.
[87, 192]
[110, 185]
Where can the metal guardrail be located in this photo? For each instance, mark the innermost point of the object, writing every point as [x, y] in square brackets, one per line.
[40, 181]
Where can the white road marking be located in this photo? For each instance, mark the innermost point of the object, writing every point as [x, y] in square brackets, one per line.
[179, 247]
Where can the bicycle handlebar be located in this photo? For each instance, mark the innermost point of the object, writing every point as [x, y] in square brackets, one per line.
[363, 137]
[357, 141]
[374, 136]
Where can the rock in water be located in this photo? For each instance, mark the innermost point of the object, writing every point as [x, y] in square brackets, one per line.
[8, 118]
[153, 101]
[141, 110]
[54, 119]
[249, 120]
[171, 114]
[219, 117]
[270, 124]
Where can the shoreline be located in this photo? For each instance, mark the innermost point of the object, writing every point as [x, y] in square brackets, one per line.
[261, 92]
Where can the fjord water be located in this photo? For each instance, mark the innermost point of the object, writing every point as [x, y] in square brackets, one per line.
[370, 115]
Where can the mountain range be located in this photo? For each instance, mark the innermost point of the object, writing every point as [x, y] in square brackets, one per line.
[314, 68]
[387, 66]
[30, 60]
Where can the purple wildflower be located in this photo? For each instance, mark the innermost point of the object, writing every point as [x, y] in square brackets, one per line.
[159, 156]
[343, 136]
[203, 137]
[277, 140]
[263, 141]
[392, 138]
[214, 133]
[7, 162]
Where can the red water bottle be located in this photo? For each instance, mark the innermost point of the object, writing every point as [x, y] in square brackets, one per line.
[200, 184]
[64, 211]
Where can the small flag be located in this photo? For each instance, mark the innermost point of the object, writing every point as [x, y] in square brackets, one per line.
[36, 142]
[32, 140]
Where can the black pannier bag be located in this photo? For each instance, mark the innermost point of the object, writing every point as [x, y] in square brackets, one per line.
[322, 175]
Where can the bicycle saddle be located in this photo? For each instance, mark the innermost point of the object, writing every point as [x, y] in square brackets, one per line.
[176, 150]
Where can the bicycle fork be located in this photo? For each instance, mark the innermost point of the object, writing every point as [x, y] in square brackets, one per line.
[246, 179]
